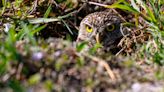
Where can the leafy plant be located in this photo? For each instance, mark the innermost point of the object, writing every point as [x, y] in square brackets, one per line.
[151, 12]
[8, 50]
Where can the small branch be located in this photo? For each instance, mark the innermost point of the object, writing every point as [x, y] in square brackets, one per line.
[120, 51]
[106, 6]
[104, 63]
[94, 3]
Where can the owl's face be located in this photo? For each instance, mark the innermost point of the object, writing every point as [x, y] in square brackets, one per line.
[103, 27]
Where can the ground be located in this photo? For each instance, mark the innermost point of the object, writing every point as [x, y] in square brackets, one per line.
[39, 53]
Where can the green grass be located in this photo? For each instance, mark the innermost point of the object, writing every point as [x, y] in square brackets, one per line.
[22, 28]
[152, 14]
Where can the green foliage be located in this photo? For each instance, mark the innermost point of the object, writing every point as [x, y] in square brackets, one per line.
[74, 64]
[35, 79]
[80, 61]
[122, 4]
[49, 85]
[89, 82]
[3, 67]
[159, 74]
[159, 57]
[5, 4]
[28, 31]
[81, 46]
[59, 1]
[48, 11]
[152, 13]
[94, 48]
[18, 3]
[16, 86]
[8, 47]
[8, 50]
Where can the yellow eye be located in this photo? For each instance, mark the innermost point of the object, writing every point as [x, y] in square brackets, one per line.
[110, 28]
[89, 29]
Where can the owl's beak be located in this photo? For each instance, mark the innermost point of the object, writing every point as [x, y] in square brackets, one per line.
[97, 38]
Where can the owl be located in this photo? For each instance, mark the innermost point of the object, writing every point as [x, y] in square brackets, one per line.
[103, 27]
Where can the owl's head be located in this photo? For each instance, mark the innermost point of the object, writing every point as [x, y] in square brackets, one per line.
[102, 25]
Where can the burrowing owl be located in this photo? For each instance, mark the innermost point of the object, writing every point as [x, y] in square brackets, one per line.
[106, 24]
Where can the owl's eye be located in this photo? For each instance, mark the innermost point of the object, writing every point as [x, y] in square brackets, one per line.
[110, 28]
[89, 29]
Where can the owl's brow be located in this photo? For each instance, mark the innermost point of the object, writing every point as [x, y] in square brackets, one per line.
[86, 23]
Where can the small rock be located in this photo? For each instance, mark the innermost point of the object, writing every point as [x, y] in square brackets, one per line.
[37, 56]
[146, 87]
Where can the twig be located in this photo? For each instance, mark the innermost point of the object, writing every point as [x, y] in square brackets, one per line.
[54, 3]
[122, 18]
[120, 51]
[98, 60]
[47, 20]
[67, 27]
[106, 6]
[33, 7]
[94, 3]
[67, 15]
[19, 70]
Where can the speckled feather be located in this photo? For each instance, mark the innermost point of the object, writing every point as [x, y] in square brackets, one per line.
[98, 19]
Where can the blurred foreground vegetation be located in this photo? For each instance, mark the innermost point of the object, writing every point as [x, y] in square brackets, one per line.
[38, 52]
